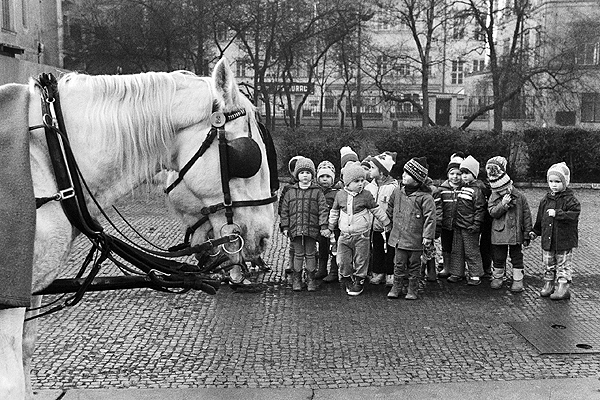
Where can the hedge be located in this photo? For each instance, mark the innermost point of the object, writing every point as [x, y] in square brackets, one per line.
[530, 153]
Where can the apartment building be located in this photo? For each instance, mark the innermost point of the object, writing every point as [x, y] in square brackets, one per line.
[30, 38]
[459, 81]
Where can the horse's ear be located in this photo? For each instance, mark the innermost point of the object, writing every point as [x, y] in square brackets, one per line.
[225, 82]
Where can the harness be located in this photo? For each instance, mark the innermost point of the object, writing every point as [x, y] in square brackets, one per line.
[152, 269]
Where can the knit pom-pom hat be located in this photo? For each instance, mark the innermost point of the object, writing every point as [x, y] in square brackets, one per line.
[417, 168]
[304, 164]
[561, 171]
[384, 162]
[346, 155]
[352, 172]
[496, 172]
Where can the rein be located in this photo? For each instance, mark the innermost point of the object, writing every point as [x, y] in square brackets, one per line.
[158, 271]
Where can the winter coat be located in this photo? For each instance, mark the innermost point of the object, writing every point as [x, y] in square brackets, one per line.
[561, 232]
[353, 212]
[304, 211]
[511, 224]
[381, 192]
[471, 207]
[330, 194]
[448, 198]
[413, 218]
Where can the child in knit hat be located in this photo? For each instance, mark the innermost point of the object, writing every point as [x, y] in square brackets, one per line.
[448, 191]
[304, 214]
[381, 187]
[470, 210]
[352, 211]
[291, 166]
[511, 224]
[557, 224]
[412, 210]
[326, 179]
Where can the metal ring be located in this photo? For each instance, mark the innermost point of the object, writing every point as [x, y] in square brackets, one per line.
[46, 122]
[241, 239]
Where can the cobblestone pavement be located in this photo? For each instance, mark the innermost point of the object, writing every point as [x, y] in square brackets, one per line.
[279, 338]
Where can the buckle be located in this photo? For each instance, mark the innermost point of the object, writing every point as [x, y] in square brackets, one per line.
[66, 194]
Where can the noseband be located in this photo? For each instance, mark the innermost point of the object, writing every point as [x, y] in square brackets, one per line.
[235, 162]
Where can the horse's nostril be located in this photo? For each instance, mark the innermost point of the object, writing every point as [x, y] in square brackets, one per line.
[262, 243]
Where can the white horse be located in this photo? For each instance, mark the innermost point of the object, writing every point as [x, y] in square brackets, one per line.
[123, 130]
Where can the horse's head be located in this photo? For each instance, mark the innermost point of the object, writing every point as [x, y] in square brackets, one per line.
[223, 185]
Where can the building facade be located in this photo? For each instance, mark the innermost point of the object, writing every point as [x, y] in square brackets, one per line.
[30, 39]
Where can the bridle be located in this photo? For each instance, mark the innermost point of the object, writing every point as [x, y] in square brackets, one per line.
[152, 269]
[231, 155]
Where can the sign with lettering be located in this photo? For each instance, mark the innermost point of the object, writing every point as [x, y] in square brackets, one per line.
[296, 87]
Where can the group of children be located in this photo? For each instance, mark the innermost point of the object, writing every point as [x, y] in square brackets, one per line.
[383, 231]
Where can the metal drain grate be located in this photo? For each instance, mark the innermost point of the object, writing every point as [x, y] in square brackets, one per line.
[561, 336]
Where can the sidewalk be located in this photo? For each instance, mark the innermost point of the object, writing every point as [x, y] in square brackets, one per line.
[280, 344]
[548, 389]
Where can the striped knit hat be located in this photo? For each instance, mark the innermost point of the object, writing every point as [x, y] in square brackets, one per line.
[496, 172]
[417, 168]
[346, 155]
[326, 168]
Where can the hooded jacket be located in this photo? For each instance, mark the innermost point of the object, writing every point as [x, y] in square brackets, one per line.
[304, 211]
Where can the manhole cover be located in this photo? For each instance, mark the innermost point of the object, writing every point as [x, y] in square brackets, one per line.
[561, 336]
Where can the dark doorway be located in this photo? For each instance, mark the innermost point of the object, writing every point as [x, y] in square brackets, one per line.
[442, 112]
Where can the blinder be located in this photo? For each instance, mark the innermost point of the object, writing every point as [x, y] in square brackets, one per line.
[243, 157]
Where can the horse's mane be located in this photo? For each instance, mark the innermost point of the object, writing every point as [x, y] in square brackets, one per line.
[133, 114]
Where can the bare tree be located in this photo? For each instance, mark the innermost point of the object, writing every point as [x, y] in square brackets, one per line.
[516, 62]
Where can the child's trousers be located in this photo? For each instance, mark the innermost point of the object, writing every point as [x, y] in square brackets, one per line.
[559, 262]
[353, 253]
[407, 265]
[465, 248]
[305, 248]
[500, 253]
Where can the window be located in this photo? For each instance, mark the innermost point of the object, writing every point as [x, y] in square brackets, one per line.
[242, 68]
[6, 17]
[24, 12]
[590, 107]
[479, 34]
[587, 54]
[457, 76]
[402, 69]
[381, 64]
[458, 27]
[478, 65]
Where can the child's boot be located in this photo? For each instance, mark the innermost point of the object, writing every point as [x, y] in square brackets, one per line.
[322, 270]
[562, 290]
[395, 291]
[445, 272]
[413, 287]
[377, 279]
[311, 281]
[332, 276]
[431, 274]
[497, 278]
[297, 281]
[517, 284]
[548, 284]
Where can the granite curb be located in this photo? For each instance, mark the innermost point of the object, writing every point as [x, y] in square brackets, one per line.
[548, 389]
